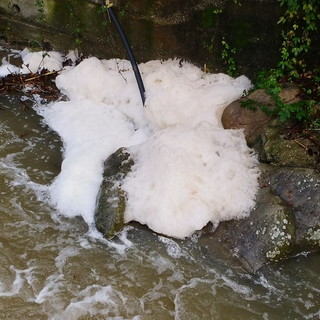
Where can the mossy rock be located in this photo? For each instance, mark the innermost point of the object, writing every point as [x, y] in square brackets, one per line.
[281, 234]
[312, 238]
[300, 189]
[111, 200]
[279, 151]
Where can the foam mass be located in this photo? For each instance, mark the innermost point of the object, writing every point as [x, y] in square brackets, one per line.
[188, 170]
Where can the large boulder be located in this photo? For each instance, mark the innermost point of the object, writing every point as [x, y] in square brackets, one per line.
[266, 235]
[285, 222]
[269, 137]
[254, 120]
[251, 120]
[300, 189]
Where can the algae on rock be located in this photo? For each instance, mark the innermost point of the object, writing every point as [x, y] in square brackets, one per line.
[111, 200]
[279, 151]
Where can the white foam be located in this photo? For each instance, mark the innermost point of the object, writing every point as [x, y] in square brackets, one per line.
[91, 132]
[52, 288]
[36, 61]
[6, 68]
[188, 169]
[172, 247]
[185, 95]
[188, 177]
[17, 284]
[94, 300]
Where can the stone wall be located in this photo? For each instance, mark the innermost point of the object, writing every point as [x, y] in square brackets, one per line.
[191, 29]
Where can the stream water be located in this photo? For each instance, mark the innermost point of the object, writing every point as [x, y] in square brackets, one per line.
[54, 267]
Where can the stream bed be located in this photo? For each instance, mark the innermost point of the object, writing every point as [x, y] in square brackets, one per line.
[53, 267]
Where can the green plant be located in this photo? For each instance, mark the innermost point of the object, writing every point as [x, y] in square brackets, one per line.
[75, 21]
[77, 32]
[40, 8]
[6, 32]
[300, 111]
[123, 10]
[102, 9]
[40, 5]
[228, 59]
[299, 22]
[315, 124]
[34, 44]
[249, 104]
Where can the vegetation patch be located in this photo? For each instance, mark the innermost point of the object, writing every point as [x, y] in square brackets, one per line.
[300, 38]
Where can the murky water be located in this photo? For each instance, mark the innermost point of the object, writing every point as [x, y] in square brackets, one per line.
[56, 268]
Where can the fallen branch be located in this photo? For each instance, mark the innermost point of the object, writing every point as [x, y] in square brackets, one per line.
[42, 75]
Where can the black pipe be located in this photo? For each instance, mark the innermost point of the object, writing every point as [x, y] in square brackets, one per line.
[128, 48]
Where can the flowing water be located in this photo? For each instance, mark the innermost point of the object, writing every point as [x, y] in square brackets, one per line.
[54, 267]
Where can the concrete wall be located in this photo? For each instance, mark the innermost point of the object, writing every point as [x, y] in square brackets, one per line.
[191, 29]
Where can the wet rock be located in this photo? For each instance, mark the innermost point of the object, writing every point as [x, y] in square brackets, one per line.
[266, 235]
[300, 189]
[279, 151]
[253, 120]
[111, 200]
[266, 135]
[285, 222]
